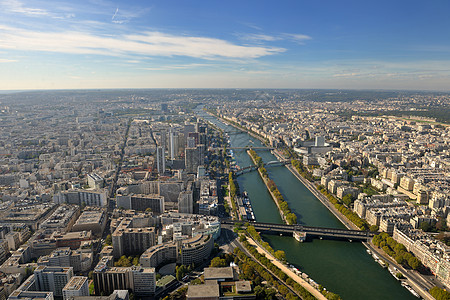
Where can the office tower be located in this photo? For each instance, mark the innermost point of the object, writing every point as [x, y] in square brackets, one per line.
[186, 202]
[160, 160]
[143, 280]
[52, 279]
[173, 144]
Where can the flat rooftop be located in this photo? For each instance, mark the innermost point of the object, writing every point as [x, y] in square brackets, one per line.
[75, 283]
[203, 291]
[219, 273]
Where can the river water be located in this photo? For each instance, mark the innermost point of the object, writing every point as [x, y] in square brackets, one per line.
[342, 267]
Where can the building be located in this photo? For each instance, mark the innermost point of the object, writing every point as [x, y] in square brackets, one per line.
[29, 295]
[196, 249]
[62, 219]
[203, 292]
[95, 181]
[160, 160]
[220, 274]
[79, 260]
[159, 254]
[82, 197]
[173, 144]
[77, 286]
[186, 202]
[142, 202]
[143, 281]
[71, 239]
[193, 157]
[129, 240]
[52, 279]
[106, 280]
[93, 219]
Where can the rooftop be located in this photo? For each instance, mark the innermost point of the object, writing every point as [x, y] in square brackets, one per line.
[219, 273]
[203, 291]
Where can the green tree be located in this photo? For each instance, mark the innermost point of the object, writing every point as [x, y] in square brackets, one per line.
[218, 262]
[439, 294]
[347, 199]
[123, 262]
[373, 228]
[414, 263]
[180, 271]
[108, 240]
[280, 255]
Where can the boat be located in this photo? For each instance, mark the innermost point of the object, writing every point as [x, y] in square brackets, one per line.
[375, 256]
[410, 289]
[382, 263]
[369, 252]
[394, 273]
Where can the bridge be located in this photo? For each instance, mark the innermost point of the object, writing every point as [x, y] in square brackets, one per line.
[320, 232]
[243, 148]
[274, 163]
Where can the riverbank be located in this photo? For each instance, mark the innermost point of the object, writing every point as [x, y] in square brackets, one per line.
[415, 280]
[286, 270]
[266, 181]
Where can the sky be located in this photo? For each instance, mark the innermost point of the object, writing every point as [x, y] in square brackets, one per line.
[395, 44]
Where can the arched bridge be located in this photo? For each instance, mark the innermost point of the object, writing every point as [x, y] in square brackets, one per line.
[274, 163]
[321, 232]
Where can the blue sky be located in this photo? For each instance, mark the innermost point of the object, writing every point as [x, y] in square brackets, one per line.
[225, 44]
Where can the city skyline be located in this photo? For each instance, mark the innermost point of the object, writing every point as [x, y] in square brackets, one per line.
[111, 44]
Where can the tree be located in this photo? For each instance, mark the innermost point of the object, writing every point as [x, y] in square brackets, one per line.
[373, 228]
[439, 294]
[123, 262]
[425, 226]
[414, 263]
[347, 199]
[218, 262]
[270, 294]
[180, 272]
[108, 240]
[280, 255]
[259, 292]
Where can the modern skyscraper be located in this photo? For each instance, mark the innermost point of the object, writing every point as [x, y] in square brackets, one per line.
[160, 160]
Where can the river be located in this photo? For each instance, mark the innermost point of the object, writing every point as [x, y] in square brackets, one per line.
[342, 267]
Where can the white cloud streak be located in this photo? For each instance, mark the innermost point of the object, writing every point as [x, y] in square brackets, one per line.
[2, 60]
[259, 37]
[115, 13]
[298, 38]
[16, 6]
[149, 43]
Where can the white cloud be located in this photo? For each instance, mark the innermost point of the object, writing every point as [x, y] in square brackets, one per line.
[2, 60]
[259, 37]
[144, 44]
[299, 38]
[177, 67]
[16, 6]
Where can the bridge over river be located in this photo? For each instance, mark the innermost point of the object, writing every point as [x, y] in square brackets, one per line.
[274, 163]
[244, 148]
[320, 232]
